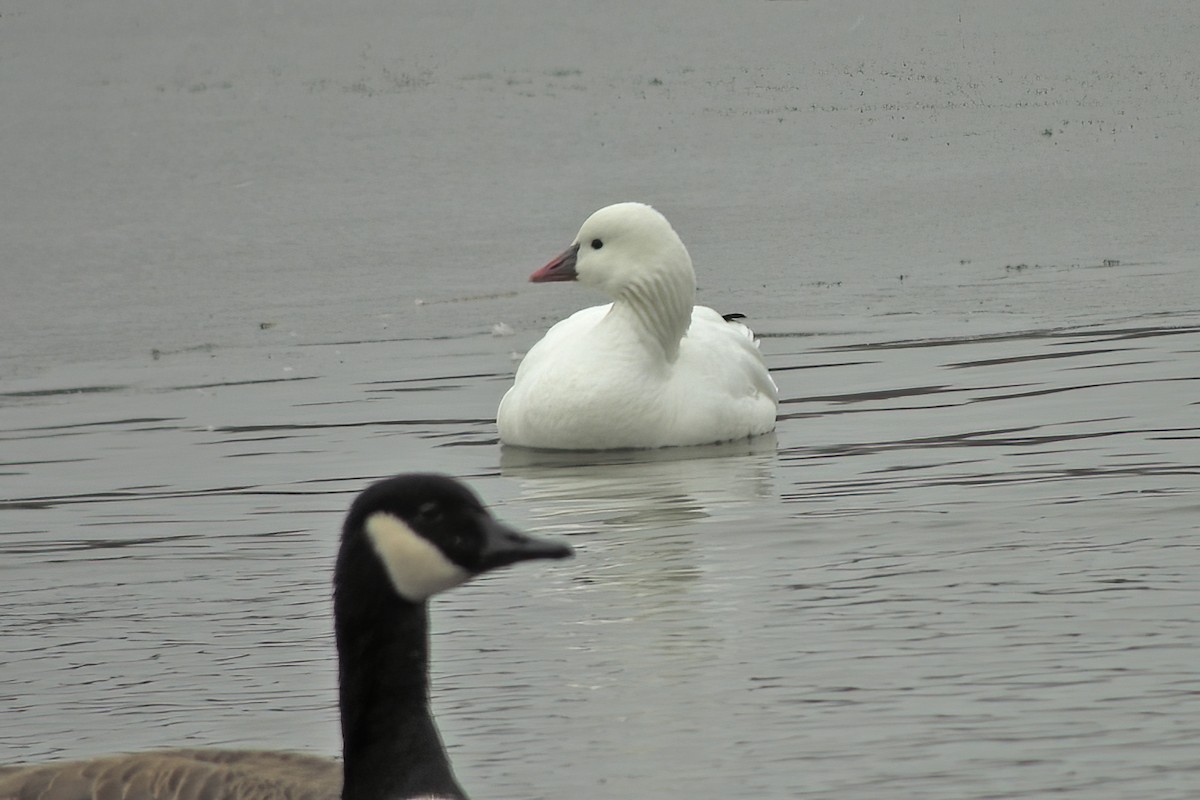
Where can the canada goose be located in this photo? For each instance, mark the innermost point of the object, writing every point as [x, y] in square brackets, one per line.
[649, 369]
[404, 539]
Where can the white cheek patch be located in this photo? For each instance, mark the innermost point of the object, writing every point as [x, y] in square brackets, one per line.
[418, 570]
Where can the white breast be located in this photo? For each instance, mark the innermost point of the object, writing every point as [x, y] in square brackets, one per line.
[591, 385]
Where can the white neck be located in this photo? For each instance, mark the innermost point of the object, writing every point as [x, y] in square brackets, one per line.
[660, 306]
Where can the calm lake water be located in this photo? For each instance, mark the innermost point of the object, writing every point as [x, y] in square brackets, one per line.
[965, 566]
[258, 256]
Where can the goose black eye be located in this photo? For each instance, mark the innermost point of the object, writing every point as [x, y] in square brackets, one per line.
[429, 512]
[597, 244]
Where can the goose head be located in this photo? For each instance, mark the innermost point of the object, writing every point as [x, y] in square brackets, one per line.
[622, 249]
[423, 534]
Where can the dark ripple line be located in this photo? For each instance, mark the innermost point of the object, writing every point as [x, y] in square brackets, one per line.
[991, 362]
[1051, 333]
[43, 462]
[309, 426]
[70, 390]
[51, 501]
[399, 389]
[1077, 387]
[435, 378]
[224, 384]
[101, 424]
[74, 545]
[878, 487]
[945, 389]
[984, 438]
[826, 365]
[349, 342]
[881, 394]
[249, 490]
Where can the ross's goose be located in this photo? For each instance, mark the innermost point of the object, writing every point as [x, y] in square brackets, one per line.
[649, 369]
[404, 540]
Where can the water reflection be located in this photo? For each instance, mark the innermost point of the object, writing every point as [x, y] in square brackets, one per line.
[643, 489]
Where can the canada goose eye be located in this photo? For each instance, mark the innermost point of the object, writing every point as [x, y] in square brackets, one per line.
[429, 512]
[597, 244]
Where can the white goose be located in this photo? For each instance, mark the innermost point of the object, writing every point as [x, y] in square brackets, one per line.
[647, 370]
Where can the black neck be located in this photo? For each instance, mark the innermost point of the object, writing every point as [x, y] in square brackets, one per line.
[390, 745]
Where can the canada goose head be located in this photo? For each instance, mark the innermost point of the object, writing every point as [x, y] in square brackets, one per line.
[425, 534]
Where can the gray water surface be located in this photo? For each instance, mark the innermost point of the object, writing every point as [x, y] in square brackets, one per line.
[259, 259]
[969, 572]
